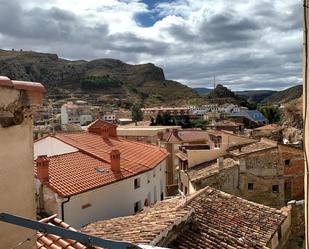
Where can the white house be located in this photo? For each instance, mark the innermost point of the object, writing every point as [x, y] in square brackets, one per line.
[75, 113]
[92, 175]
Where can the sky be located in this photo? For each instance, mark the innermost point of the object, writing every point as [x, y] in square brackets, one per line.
[254, 44]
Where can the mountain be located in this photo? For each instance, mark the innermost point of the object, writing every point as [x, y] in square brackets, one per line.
[255, 95]
[202, 90]
[96, 79]
[286, 95]
[222, 95]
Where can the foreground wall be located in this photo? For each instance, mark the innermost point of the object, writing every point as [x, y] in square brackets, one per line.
[16, 168]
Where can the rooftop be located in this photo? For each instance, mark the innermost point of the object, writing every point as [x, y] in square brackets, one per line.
[253, 115]
[207, 169]
[254, 147]
[213, 219]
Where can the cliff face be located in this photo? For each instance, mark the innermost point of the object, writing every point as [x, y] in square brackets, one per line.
[144, 82]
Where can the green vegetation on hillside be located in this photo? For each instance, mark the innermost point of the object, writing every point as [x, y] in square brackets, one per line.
[271, 112]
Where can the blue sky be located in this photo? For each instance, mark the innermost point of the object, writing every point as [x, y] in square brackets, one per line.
[254, 44]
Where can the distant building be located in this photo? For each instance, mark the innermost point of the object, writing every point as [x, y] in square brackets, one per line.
[18, 101]
[111, 118]
[93, 175]
[173, 111]
[78, 113]
[250, 118]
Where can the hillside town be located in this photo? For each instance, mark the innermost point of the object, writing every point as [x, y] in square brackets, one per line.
[169, 184]
[103, 153]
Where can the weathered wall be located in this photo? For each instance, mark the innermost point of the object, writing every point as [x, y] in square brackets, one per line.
[16, 172]
[226, 180]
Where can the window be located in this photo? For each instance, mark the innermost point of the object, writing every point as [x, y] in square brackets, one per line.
[154, 173]
[148, 177]
[86, 205]
[162, 196]
[287, 162]
[137, 183]
[137, 206]
[186, 190]
[250, 186]
[275, 188]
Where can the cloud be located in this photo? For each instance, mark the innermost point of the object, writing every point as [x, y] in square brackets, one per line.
[247, 44]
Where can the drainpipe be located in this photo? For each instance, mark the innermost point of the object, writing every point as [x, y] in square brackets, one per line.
[62, 207]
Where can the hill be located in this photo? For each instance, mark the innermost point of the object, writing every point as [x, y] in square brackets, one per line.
[286, 95]
[202, 90]
[96, 79]
[255, 95]
[222, 95]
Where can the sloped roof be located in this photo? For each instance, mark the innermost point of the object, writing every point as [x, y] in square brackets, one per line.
[268, 127]
[208, 169]
[253, 115]
[134, 155]
[146, 227]
[254, 147]
[187, 135]
[73, 173]
[219, 220]
[78, 172]
[50, 241]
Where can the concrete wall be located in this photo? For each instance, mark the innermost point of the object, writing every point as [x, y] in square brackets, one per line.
[16, 173]
[110, 201]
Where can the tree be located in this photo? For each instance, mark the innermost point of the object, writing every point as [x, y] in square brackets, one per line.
[159, 120]
[166, 118]
[272, 113]
[136, 113]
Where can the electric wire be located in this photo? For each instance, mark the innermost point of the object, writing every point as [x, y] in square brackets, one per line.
[24, 241]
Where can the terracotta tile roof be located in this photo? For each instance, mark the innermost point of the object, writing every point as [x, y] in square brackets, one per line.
[208, 169]
[214, 220]
[146, 227]
[227, 221]
[187, 135]
[254, 147]
[77, 172]
[50, 241]
[268, 127]
[135, 156]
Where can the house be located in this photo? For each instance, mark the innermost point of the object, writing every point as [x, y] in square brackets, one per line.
[78, 113]
[109, 118]
[83, 176]
[270, 173]
[18, 102]
[264, 171]
[208, 219]
[173, 111]
[273, 131]
[201, 145]
[250, 118]
[227, 125]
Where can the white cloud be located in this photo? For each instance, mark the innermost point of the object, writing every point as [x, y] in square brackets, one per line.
[254, 43]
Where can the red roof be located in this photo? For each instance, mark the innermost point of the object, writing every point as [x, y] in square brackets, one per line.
[76, 172]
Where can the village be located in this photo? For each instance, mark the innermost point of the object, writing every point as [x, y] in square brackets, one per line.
[233, 183]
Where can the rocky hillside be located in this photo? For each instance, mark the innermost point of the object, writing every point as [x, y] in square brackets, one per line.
[222, 95]
[286, 95]
[255, 95]
[97, 78]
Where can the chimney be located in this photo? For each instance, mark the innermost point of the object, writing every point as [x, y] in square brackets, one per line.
[175, 132]
[104, 131]
[42, 168]
[115, 160]
[160, 135]
[220, 163]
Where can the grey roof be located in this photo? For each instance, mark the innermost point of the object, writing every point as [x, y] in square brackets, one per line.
[253, 115]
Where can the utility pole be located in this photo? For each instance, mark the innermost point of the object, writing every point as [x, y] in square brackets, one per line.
[214, 82]
[305, 116]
